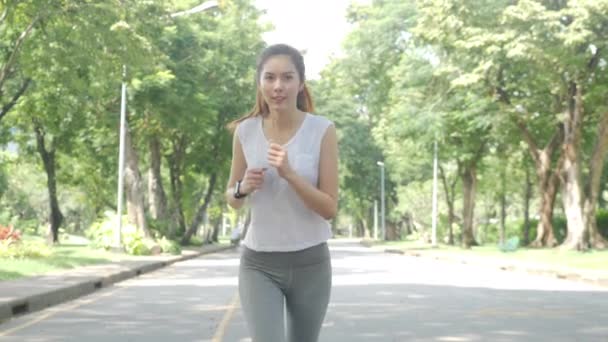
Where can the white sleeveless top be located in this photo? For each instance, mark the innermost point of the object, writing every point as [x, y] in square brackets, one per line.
[280, 221]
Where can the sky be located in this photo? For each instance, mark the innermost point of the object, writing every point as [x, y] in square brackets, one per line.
[317, 26]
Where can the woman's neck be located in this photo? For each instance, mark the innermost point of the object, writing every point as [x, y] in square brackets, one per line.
[285, 120]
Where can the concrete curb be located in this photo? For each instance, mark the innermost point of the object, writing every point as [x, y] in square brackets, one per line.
[588, 277]
[27, 295]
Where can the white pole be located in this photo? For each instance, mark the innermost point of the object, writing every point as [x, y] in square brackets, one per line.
[376, 220]
[434, 218]
[121, 155]
[350, 231]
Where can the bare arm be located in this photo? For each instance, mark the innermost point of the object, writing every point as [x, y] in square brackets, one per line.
[322, 199]
[251, 179]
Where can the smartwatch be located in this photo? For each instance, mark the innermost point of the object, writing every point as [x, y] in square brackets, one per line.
[237, 190]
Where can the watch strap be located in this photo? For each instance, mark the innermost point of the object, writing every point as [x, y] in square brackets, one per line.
[237, 190]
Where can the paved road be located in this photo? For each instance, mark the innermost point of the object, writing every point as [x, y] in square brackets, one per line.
[376, 297]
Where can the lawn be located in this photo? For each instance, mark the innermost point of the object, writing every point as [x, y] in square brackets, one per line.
[554, 257]
[73, 252]
[62, 257]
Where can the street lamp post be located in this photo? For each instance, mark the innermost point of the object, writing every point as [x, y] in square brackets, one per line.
[382, 204]
[121, 154]
[123, 122]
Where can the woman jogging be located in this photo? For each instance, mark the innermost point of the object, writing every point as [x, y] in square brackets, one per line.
[285, 167]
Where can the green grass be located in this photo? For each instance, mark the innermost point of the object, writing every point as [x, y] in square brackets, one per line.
[554, 257]
[225, 240]
[62, 257]
[73, 252]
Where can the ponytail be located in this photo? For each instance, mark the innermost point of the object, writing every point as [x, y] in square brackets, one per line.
[305, 103]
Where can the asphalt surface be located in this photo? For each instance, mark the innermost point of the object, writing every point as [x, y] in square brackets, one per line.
[375, 297]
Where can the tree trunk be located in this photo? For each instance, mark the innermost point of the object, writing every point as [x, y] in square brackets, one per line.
[134, 187]
[175, 170]
[480, 232]
[362, 227]
[451, 221]
[48, 159]
[572, 197]
[573, 189]
[208, 235]
[392, 233]
[592, 186]
[217, 227]
[527, 198]
[469, 184]
[198, 218]
[601, 201]
[366, 234]
[547, 179]
[361, 223]
[407, 223]
[503, 204]
[156, 192]
[450, 195]
[548, 184]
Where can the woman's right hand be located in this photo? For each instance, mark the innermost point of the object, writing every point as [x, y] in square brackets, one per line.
[253, 180]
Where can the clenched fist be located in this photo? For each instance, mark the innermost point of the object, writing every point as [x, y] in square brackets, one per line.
[277, 157]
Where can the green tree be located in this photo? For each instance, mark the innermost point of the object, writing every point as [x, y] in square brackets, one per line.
[539, 60]
[65, 70]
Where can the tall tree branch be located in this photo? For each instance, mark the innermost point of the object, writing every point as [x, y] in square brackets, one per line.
[11, 59]
[7, 107]
[503, 96]
[4, 15]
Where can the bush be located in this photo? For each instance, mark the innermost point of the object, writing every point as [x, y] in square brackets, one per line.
[196, 241]
[12, 245]
[102, 232]
[488, 233]
[9, 235]
[24, 249]
[102, 235]
[134, 241]
[158, 227]
[135, 244]
[169, 246]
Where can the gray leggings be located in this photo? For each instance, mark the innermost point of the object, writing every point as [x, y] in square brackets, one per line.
[279, 287]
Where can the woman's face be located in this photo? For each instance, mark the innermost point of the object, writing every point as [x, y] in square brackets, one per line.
[280, 83]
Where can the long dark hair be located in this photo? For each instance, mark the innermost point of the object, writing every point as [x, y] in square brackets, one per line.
[304, 101]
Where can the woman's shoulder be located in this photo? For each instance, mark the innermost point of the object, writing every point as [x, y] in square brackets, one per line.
[247, 124]
[320, 120]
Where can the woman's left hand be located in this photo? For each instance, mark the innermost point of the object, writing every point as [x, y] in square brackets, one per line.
[277, 157]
